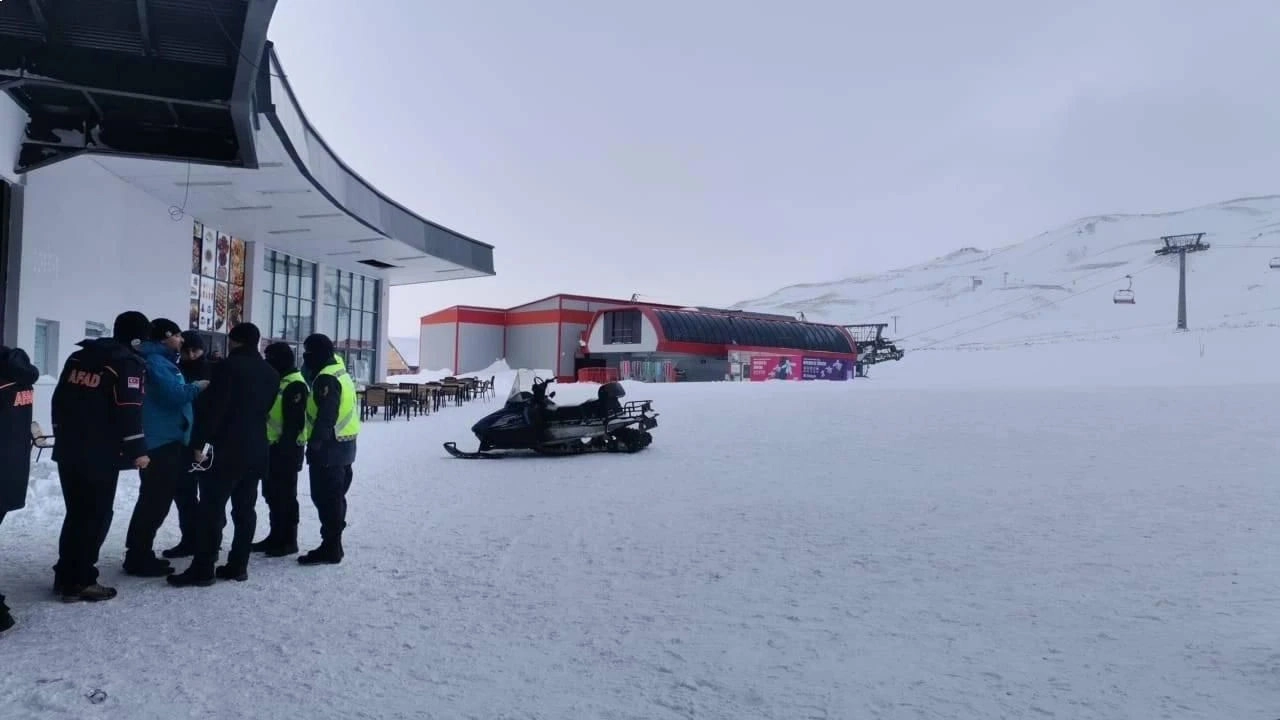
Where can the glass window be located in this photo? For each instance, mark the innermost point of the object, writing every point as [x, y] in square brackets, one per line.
[343, 333]
[278, 315]
[294, 276]
[306, 319]
[308, 281]
[366, 329]
[331, 287]
[348, 314]
[40, 349]
[344, 290]
[293, 320]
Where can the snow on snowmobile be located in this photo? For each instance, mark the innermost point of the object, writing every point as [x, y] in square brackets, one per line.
[530, 420]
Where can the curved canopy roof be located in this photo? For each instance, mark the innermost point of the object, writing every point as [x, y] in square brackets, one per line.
[196, 83]
[717, 329]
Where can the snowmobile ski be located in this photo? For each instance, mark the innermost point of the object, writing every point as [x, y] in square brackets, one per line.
[452, 448]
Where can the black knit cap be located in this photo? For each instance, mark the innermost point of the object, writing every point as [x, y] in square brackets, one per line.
[131, 327]
[280, 356]
[319, 344]
[191, 340]
[164, 328]
[246, 334]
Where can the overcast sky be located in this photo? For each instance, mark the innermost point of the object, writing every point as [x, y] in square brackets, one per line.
[709, 151]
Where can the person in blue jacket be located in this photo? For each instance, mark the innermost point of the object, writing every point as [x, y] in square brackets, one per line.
[167, 417]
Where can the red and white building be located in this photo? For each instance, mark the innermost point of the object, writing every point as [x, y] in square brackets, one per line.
[568, 334]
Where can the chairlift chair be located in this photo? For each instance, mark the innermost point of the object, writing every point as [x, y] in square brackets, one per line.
[1275, 263]
[1125, 296]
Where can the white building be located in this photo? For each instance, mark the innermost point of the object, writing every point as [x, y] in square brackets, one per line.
[159, 161]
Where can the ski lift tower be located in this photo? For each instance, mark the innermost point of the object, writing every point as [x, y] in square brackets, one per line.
[1181, 245]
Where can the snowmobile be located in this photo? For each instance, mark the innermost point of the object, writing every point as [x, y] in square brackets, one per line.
[531, 421]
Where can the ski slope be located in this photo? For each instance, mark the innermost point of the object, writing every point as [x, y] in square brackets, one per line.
[1057, 288]
[783, 550]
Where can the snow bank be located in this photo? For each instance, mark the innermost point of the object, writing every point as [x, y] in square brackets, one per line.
[499, 367]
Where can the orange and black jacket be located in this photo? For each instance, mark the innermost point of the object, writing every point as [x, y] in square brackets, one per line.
[97, 406]
[17, 375]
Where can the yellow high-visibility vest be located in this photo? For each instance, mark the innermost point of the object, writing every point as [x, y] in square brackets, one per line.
[347, 426]
[275, 421]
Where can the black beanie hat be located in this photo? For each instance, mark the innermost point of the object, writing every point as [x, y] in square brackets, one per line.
[191, 340]
[131, 327]
[164, 328]
[246, 334]
[319, 344]
[280, 356]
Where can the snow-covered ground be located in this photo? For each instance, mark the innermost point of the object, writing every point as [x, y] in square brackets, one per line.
[783, 550]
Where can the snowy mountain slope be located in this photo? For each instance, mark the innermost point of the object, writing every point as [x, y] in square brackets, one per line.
[1058, 286]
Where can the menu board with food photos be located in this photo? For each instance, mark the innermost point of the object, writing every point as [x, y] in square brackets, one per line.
[194, 321]
[218, 268]
[197, 249]
[209, 251]
[237, 262]
[206, 304]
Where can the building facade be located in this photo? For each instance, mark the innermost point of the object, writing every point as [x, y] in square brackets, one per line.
[566, 334]
[164, 173]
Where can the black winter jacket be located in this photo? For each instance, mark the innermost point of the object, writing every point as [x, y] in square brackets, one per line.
[97, 406]
[234, 416]
[17, 376]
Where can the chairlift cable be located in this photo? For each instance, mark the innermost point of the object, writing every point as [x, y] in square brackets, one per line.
[1007, 303]
[1048, 304]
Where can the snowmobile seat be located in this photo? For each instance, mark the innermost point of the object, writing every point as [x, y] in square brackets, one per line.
[611, 391]
[606, 402]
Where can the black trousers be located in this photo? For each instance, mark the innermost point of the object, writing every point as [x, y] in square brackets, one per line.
[159, 482]
[89, 493]
[329, 486]
[186, 500]
[216, 487]
[280, 490]
[2, 514]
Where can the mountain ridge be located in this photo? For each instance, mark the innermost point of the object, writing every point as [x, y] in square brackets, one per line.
[1037, 286]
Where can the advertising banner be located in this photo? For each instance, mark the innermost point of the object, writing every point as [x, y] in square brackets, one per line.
[775, 367]
[826, 369]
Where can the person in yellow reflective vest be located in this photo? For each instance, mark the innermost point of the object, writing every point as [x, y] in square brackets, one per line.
[287, 432]
[333, 416]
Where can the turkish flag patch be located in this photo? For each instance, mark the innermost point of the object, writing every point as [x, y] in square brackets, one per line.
[135, 383]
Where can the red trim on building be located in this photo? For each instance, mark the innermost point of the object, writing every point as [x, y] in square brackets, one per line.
[467, 314]
[559, 337]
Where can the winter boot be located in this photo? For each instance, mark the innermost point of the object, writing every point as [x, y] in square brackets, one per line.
[87, 593]
[267, 543]
[191, 577]
[285, 543]
[329, 553]
[142, 566]
[6, 619]
[183, 549]
[239, 573]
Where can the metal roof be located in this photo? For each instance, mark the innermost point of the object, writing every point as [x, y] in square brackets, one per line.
[168, 79]
[716, 329]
